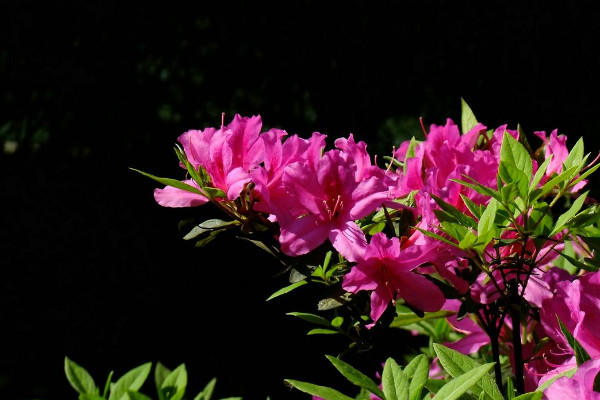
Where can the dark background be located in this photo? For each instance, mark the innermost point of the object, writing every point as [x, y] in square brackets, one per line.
[94, 269]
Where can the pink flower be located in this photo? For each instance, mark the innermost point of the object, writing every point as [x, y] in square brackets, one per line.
[228, 155]
[556, 147]
[386, 269]
[580, 386]
[323, 200]
[576, 303]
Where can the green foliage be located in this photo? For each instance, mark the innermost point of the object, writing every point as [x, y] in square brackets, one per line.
[169, 384]
[412, 382]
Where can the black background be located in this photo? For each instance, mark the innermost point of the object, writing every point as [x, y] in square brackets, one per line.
[94, 269]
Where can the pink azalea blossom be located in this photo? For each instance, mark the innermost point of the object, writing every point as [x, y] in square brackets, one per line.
[576, 303]
[323, 201]
[228, 155]
[387, 269]
[580, 386]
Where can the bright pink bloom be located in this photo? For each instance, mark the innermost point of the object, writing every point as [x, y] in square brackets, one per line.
[580, 386]
[324, 199]
[227, 154]
[576, 303]
[556, 147]
[173, 197]
[386, 269]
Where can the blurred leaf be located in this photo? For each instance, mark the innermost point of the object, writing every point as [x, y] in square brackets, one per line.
[160, 373]
[173, 387]
[208, 390]
[79, 378]
[131, 380]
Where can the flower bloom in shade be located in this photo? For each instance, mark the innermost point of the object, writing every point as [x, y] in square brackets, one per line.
[228, 155]
[386, 269]
[580, 386]
[323, 201]
[576, 303]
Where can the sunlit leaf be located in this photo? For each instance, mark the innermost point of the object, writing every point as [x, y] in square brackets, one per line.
[323, 392]
[355, 376]
[457, 364]
[394, 381]
[79, 378]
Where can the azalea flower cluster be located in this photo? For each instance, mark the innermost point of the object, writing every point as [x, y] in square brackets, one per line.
[423, 231]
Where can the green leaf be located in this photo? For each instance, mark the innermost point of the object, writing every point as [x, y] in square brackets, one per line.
[514, 154]
[107, 384]
[460, 385]
[581, 354]
[530, 396]
[173, 182]
[208, 226]
[551, 184]
[539, 174]
[475, 209]
[131, 380]
[478, 187]
[455, 213]
[322, 331]
[134, 395]
[435, 236]
[511, 174]
[568, 373]
[90, 396]
[584, 175]
[287, 289]
[79, 378]
[561, 222]
[315, 319]
[355, 376]
[575, 156]
[394, 381]
[173, 387]
[467, 118]
[208, 390]
[160, 373]
[321, 391]
[408, 318]
[333, 302]
[457, 364]
[418, 373]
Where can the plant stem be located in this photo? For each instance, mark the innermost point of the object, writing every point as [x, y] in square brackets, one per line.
[517, 349]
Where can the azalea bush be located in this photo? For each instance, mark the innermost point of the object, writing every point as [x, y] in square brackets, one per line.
[482, 240]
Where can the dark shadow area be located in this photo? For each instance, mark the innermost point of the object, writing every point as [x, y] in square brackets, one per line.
[94, 269]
